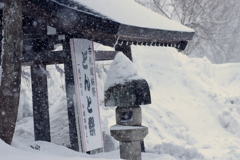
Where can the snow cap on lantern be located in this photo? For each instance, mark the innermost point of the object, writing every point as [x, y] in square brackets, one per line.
[123, 86]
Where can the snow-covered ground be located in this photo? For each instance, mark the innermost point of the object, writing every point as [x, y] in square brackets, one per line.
[195, 112]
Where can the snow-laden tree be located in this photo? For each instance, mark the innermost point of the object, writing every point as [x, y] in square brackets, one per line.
[11, 67]
[216, 23]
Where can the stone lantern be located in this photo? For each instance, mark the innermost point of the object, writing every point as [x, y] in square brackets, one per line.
[128, 97]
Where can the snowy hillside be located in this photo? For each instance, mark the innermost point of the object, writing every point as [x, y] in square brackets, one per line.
[195, 111]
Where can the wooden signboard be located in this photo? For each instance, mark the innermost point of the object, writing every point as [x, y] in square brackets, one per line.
[86, 98]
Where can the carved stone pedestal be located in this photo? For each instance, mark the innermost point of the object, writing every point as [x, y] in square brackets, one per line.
[128, 129]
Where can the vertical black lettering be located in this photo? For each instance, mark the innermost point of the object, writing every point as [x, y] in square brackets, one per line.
[89, 101]
[86, 83]
[84, 56]
[91, 126]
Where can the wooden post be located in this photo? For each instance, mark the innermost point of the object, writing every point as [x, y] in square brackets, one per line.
[1, 30]
[70, 91]
[40, 103]
[126, 49]
[11, 68]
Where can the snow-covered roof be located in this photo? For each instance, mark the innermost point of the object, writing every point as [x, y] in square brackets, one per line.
[129, 12]
[110, 21]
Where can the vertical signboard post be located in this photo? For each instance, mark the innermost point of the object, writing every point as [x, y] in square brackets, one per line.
[87, 107]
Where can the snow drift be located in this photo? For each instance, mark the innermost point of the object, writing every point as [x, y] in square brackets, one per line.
[195, 105]
[195, 111]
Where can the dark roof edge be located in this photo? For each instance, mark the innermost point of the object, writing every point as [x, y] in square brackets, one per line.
[68, 16]
[100, 29]
[154, 34]
[153, 37]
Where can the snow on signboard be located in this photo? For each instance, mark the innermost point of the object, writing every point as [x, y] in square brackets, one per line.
[86, 94]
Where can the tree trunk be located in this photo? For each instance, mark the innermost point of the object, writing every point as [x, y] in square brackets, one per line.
[11, 68]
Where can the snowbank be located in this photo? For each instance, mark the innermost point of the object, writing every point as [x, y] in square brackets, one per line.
[195, 112]
[195, 108]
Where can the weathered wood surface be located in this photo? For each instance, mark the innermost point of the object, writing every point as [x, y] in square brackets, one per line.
[105, 55]
[59, 57]
[70, 92]
[11, 68]
[40, 103]
[99, 28]
[126, 49]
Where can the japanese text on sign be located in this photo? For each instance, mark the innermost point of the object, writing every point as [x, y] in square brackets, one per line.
[86, 92]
